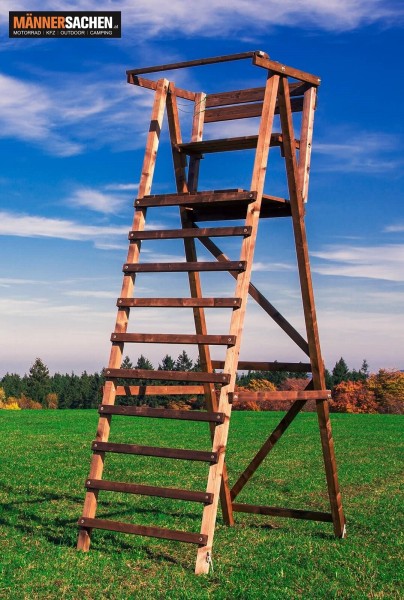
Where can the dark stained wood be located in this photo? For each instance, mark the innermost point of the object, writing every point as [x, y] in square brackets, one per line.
[191, 63]
[274, 511]
[283, 395]
[183, 267]
[244, 111]
[167, 375]
[247, 365]
[276, 67]
[248, 95]
[271, 207]
[148, 490]
[156, 532]
[174, 338]
[176, 453]
[229, 144]
[181, 302]
[169, 234]
[159, 390]
[197, 198]
[162, 413]
[267, 447]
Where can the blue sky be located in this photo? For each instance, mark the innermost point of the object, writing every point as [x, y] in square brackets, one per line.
[72, 134]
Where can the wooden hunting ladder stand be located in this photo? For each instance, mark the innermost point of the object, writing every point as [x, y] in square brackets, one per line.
[286, 91]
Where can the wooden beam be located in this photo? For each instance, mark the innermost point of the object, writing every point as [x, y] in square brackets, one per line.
[287, 396]
[276, 67]
[173, 338]
[171, 234]
[166, 375]
[180, 302]
[274, 511]
[247, 365]
[162, 413]
[148, 490]
[159, 390]
[191, 63]
[183, 267]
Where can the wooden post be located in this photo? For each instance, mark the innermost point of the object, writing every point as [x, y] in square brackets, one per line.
[97, 462]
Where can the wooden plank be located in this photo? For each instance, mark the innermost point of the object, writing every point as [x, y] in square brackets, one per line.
[159, 390]
[169, 234]
[306, 140]
[191, 63]
[175, 453]
[115, 359]
[148, 490]
[306, 285]
[287, 396]
[198, 198]
[246, 142]
[183, 267]
[247, 365]
[244, 111]
[267, 447]
[248, 95]
[167, 375]
[174, 338]
[274, 511]
[276, 67]
[162, 413]
[156, 532]
[180, 302]
[271, 207]
[237, 319]
[188, 182]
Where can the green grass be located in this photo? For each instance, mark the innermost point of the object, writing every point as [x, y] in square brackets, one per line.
[44, 459]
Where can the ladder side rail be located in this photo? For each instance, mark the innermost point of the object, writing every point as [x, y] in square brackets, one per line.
[309, 309]
[306, 140]
[237, 321]
[109, 393]
[191, 256]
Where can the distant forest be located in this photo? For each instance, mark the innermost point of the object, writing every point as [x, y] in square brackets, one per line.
[352, 390]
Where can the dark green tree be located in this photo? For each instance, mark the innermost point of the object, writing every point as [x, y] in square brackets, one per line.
[167, 364]
[340, 372]
[12, 385]
[183, 362]
[38, 382]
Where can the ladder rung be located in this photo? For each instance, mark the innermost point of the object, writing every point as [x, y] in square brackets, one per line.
[159, 390]
[162, 413]
[284, 396]
[174, 338]
[195, 232]
[180, 302]
[157, 532]
[227, 144]
[184, 267]
[272, 206]
[149, 490]
[198, 198]
[247, 365]
[167, 375]
[178, 453]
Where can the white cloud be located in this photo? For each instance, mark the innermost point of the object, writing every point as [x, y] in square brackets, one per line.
[359, 151]
[97, 201]
[371, 262]
[396, 228]
[122, 187]
[90, 294]
[22, 225]
[153, 17]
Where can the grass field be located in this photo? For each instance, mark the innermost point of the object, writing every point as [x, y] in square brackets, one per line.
[44, 458]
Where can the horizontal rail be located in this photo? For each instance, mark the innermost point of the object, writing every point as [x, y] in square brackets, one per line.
[176, 453]
[198, 197]
[283, 395]
[184, 267]
[174, 338]
[277, 67]
[149, 490]
[180, 303]
[162, 413]
[157, 532]
[247, 365]
[193, 63]
[167, 375]
[171, 234]
[159, 390]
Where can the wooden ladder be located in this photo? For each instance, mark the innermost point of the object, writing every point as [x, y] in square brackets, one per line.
[278, 96]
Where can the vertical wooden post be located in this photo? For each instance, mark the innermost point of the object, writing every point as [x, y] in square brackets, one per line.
[303, 261]
[191, 256]
[237, 321]
[115, 360]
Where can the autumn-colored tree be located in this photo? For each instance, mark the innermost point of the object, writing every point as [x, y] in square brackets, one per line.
[27, 403]
[388, 389]
[51, 401]
[353, 397]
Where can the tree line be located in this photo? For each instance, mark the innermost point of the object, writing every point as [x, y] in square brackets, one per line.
[352, 390]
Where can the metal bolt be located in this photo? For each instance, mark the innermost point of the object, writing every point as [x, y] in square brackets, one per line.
[126, 267]
[283, 69]
[119, 301]
[82, 520]
[235, 397]
[101, 408]
[88, 482]
[114, 336]
[108, 372]
[95, 445]
[212, 456]
[245, 230]
[200, 539]
[234, 301]
[218, 417]
[137, 201]
[240, 264]
[207, 497]
[251, 195]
